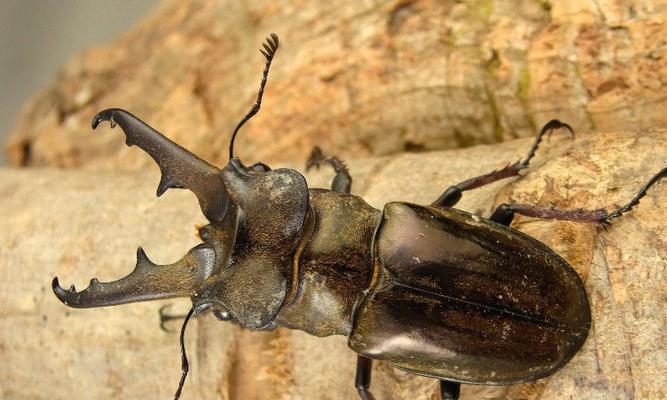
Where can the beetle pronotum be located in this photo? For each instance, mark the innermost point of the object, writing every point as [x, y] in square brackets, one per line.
[429, 289]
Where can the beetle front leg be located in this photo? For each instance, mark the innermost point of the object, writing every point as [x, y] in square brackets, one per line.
[453, 194]
[362, 380]
[342, 182]
[164, 318]
[449, 390]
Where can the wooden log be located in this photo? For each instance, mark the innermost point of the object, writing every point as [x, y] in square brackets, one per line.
[81, 224]
[360, 78]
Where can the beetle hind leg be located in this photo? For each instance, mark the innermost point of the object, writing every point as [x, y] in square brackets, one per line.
[342, 182]
[453, 194]
[449, 390]
[362, 380]
[505, 212]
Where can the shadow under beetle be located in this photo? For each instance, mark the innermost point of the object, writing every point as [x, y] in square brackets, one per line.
[429, 289]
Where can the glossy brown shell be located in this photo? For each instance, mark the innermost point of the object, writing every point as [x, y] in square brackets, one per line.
[458, 297]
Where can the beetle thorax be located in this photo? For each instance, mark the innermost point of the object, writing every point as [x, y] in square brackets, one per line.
[334, 268]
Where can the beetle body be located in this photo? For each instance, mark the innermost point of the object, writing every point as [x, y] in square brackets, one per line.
[438, 292]
[429, 289]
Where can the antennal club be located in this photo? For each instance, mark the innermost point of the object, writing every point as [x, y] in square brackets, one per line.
[270, 49]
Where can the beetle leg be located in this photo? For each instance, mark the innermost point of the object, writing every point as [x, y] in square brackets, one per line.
[363, 378]
[449, 390]
[342, 182]
[635, 200]
[505, 212]
[547, 129]
[453, 194]
[164, 318]
[503, 215]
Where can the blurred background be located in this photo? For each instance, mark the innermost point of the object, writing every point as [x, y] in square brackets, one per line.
[38, 36]
[358, 79]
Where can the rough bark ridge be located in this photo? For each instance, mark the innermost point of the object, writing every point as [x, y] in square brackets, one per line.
[80, 225]
[358, 78]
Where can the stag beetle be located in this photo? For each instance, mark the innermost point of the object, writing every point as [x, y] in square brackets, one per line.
[429, 289]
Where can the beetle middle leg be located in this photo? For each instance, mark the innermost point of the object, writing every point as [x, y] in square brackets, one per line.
[342, 182]
[505, 212]
[453, 194]
[449, 390]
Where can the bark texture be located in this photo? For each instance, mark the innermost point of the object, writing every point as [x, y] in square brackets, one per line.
[80, 225]
[360, 78]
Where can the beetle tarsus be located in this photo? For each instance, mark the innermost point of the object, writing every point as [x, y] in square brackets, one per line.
[547, 129]
[449, 390]
[342, 182]
[635, 200]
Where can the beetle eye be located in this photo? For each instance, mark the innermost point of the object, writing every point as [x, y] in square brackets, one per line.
[222, 315]
[260, 167]
[218, 311]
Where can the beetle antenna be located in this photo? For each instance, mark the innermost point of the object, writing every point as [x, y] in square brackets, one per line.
[270, 49]
[185, 365]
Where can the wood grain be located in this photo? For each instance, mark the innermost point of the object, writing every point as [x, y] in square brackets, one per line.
[362, 78]
[82, 224]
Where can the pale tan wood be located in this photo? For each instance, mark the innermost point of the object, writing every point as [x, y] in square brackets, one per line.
[80, 225]
[358, 77]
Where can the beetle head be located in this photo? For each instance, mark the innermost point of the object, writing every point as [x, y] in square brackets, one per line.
[243, 268]
[255, 243]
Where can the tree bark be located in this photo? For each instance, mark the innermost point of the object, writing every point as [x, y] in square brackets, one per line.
[359, 78]
[78, 225]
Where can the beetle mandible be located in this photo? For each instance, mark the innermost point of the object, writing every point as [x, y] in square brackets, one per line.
[429, 289]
